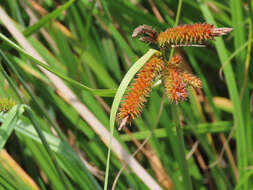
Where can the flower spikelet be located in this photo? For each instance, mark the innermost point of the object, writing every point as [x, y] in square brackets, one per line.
[174, 84]
[176, 80]
[192, 80]
[189, 34]
[134, 100]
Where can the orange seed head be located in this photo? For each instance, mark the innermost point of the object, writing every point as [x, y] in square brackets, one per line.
[189, 34]
[134, 100]
[176, 80]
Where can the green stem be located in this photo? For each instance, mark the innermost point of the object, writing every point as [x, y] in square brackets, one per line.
[179, 7]
[182, 157]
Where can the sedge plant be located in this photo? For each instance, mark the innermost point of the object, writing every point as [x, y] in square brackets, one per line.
[175, 78]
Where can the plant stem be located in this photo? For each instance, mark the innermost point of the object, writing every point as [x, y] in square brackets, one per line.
[179, 7]
[182, 158]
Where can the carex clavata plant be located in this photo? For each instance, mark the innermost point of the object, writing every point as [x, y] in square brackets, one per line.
[175, 78]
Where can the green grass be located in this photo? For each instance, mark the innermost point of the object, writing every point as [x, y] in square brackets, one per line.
[62, 132]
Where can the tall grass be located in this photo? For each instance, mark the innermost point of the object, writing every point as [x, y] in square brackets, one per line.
[67, 65]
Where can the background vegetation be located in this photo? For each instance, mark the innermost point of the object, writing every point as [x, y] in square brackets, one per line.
[57, 136]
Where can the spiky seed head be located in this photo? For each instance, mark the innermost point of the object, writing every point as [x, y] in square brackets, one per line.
[189, 34]
[191, 80]
[174, 85]
[140, 89]
[176, 80]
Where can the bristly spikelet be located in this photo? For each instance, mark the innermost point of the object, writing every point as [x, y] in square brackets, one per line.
[6, 104]
[134, 100]
[175, 80]
[189, 34]
[192, 80]
[174, 84]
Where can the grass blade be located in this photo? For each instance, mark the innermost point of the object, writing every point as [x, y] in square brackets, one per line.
[46, 19]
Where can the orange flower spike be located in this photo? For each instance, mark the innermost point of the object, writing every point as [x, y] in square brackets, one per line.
[192, 80]
[133, 102]
[189, 35]
[174, 85]
[175, 80]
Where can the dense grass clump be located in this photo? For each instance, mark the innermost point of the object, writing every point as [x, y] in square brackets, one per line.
[65, 70]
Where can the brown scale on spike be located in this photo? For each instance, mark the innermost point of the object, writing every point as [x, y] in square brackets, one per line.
[133, 102]
[147, 33]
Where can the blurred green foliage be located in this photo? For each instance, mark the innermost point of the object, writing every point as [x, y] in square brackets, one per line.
[89, 45]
